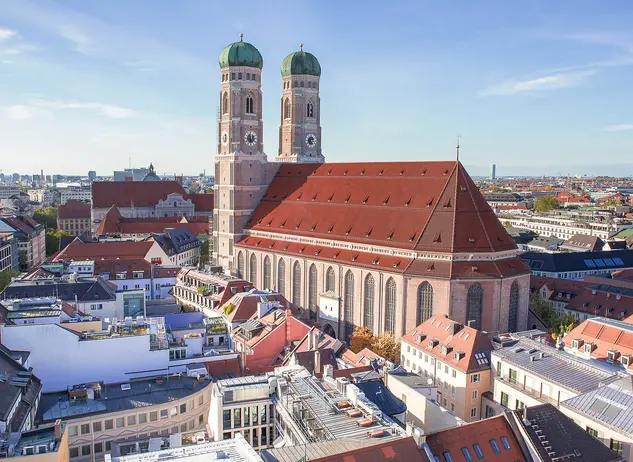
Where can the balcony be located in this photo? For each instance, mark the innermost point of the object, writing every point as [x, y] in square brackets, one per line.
[536, 394]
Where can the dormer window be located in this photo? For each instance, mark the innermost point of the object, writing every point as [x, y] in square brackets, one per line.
[612, 355]
[588, 347]
[420, 337]
[625, 360]
[458, 355]
[433, 342]
[577, 343]
[446, 349]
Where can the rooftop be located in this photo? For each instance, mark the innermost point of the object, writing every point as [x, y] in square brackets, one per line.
[578, 261]
[118, 397]
[16, 384]
[611, 405]
[557, 437]
[65, 289]
[74, 209]
[79, 250]
[564, 369]
[236, 449]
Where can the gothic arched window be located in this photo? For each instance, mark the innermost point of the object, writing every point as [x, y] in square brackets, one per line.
[253, 270]
[296, 284]
[281, 276]
[309, 84]
[301, 84]
[312, 291]
[310, 110]
[425, 302]
[513, 312]
[348, 302]
[287, 108]
[267, 272]
[240, 265]
[390, 307]
[330, 280]
[225, 103]
[474, 306]
[370, 288]
[249, 104]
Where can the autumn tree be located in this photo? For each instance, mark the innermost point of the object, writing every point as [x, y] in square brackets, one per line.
[361, 338]
[387, 346]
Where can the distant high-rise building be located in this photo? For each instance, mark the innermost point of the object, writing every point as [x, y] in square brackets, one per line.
[493, 172]
[130, 174]
[92, 175]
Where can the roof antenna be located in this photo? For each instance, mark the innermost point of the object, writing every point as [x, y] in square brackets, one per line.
[301, 46]
[457, 147]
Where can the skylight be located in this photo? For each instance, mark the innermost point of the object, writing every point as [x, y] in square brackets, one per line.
[495, 446]
[480, 454]
[590, 263]
[608, 262]
[467, 455]
[599, 262]
[618, 261]
[505, 442]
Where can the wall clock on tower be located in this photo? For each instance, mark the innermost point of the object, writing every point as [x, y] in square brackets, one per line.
[225, 138]
[250, 138]
[311, 140]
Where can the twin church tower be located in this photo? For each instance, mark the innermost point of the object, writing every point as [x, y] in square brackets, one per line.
[240, 123]
[242, 170]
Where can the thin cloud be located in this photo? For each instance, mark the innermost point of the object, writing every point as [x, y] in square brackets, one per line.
[7, 34]
[20, 112]
[108, 110]
[83, 43]
[619, 128]
[545, 83]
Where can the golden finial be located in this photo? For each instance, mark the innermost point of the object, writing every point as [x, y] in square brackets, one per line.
[241, 37]
[301, 46]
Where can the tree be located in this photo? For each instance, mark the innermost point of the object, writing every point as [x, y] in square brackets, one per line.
[52, 240]
[47, 217]
[387, 347]
[559, 325]
[361, 338]
[545, 204]
[204, 248]
[5, 278]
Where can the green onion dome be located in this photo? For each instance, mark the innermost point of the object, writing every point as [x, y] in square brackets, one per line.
[241, 54]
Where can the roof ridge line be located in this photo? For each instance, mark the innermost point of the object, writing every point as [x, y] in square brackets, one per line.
[434, 208]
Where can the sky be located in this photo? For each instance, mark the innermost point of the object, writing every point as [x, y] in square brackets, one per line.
[536, 87]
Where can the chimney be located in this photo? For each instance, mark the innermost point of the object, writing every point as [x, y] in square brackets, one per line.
[328, 371]
[317, 361]
[58, 429]
[310, 340]
[471, 322]
[419, 436]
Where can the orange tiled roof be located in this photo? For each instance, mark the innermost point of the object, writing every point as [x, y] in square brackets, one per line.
[425, 206]
[112, 267]
[480, 433]
[78, 250]
[465, 339]
[605, 337]
[114, 223]
[143, 194]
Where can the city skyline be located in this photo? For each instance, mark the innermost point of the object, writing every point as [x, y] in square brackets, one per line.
[91, 85]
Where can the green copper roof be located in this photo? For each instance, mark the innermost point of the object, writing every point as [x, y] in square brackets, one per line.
[241, 54]
[300, 63]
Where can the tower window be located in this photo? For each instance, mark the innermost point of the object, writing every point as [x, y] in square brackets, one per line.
[295, 84]
[309, 84]
[249, 105]
[225, 103]
[232, 75]
[287, 108]
[248, 76]
[239, 76]
[301, 85]
[310, 110]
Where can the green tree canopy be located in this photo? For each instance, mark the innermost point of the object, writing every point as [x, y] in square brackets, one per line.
[545, 204]
[52, 238]
[5, 278]
[46, 216]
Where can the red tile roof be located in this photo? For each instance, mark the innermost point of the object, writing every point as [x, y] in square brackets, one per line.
[466, 339]
[481, 432]
[599, 303]
[223, 367]
[605, 337]
[114, 223]
[74, 209]
[425, 206]
[78, 250]
[143, 194]
[400, 450]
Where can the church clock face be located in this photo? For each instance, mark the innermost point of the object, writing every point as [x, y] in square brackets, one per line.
[250, 138]
[225, 138]
[311, 140]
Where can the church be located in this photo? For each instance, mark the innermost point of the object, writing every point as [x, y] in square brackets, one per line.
[377, 244]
